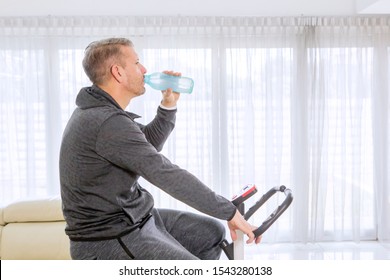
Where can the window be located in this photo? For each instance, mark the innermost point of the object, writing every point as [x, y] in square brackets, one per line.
[22, 124]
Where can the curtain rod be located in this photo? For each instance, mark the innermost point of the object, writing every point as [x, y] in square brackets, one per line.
[187, 21]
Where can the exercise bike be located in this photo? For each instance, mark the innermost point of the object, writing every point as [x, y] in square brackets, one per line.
[235, 250]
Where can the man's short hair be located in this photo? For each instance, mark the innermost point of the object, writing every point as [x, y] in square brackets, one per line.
[100, 55]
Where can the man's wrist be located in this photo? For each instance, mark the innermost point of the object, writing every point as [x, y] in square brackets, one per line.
[168, 108]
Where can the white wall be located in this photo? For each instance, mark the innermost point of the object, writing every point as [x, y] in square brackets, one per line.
[179, 7]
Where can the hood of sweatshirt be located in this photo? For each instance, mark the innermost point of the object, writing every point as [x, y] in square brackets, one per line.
[93, 96]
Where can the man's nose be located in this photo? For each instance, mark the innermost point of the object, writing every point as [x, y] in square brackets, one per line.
[143, 69]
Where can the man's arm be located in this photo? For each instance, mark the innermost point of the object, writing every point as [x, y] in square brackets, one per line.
[159, 129]
[121, 142]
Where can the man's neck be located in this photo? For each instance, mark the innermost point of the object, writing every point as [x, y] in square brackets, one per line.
[122, 99]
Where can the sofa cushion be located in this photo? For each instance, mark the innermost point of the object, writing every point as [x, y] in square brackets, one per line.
[37, 210]
[38, 241]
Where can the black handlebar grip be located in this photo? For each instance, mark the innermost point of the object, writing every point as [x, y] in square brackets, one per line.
[278, 211]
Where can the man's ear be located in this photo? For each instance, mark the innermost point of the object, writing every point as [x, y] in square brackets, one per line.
[117, 72]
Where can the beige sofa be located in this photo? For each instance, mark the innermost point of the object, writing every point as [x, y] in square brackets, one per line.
[33, 229]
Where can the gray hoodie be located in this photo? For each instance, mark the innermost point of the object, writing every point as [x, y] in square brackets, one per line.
[104, 152]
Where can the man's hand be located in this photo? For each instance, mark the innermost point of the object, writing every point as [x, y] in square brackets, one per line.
[170, 98]
[239, 223]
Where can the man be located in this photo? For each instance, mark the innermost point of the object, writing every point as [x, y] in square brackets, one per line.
[104, 152]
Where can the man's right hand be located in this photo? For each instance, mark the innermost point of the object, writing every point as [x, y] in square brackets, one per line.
[239, 223]
[170, 97]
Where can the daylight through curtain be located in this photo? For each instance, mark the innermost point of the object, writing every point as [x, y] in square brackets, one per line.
[301, 102]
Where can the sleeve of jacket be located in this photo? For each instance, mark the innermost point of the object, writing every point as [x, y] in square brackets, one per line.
[159, 129]
[122, 142]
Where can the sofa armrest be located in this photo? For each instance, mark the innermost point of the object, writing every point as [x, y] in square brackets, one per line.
[37, 210]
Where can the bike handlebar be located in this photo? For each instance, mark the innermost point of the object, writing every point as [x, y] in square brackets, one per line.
[276, 214]
[247, 192]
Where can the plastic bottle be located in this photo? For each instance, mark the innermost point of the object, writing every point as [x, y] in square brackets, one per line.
[162, 81]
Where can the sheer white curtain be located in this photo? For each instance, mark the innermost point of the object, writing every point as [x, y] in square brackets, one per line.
[296, 101]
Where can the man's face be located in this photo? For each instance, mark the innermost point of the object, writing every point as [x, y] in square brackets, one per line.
[134, 72]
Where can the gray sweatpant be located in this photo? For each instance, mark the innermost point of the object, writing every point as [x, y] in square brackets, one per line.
[167, 235]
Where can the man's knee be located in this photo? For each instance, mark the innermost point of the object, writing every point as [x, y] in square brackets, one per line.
[216, 229]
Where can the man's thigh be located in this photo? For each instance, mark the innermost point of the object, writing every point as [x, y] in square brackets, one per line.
[153, 242]
[199, 234]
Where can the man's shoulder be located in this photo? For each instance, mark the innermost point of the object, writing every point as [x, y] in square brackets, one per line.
[102, 113]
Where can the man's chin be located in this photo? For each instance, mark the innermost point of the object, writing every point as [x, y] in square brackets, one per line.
[141, 92]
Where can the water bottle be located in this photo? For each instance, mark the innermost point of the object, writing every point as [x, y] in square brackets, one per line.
[162, 81]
